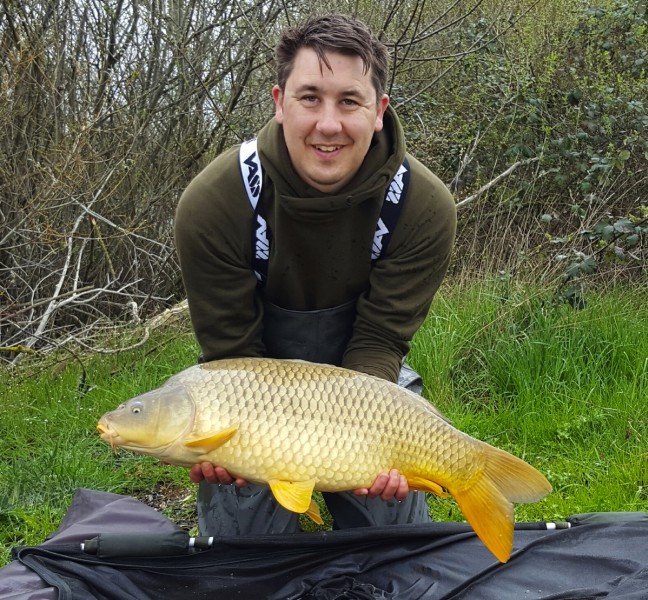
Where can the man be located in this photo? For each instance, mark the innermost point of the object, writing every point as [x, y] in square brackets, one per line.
[301, 256]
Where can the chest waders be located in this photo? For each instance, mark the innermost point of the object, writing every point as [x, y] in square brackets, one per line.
[318, 336]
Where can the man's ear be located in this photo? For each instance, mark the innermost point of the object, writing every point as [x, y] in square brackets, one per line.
[383, 103]
[277, 96]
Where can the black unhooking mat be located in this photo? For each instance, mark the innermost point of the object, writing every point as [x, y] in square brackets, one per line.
[432, 562]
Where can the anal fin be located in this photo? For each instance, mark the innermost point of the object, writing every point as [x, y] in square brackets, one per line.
[421, 484]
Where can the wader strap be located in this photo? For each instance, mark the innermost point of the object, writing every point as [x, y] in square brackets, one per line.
[252, 176]
[390, 211]
[253, 180]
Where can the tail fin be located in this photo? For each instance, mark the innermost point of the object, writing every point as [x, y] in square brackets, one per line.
[487, 504]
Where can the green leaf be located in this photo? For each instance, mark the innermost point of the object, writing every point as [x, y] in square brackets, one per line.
[607, 233]
[624, 226]
[589, 265]
[573, 270]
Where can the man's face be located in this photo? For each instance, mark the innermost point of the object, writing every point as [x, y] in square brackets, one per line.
[328, 117]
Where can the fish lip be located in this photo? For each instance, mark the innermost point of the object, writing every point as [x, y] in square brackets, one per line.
[107, 434]
[104, 429]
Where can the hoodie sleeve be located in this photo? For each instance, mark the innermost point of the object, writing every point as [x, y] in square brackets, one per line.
[403, 283]
[212, 238]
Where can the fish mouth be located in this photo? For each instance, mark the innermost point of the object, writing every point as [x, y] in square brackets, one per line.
[106, 434]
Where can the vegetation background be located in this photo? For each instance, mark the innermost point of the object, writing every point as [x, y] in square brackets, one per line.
[535, 114]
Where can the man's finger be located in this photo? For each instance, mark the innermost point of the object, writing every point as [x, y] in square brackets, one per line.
[391, 487]
[222, 475]
[196, 474]
[378, 485]
[403, 489]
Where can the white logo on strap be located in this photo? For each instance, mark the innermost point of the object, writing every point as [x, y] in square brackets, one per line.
[396, 186]
[251, 169]
[376, 247]
[262, 244]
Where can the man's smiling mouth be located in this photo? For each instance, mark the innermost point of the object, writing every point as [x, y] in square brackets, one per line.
[327, 148]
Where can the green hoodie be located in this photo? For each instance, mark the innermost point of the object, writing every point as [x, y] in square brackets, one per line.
[320, 254]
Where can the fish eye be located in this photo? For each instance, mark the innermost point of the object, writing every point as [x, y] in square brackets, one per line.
[136, 407]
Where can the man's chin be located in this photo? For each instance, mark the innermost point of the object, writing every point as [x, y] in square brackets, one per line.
[328, 183]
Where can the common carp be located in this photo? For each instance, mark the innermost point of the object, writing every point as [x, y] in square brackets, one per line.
[300, 426]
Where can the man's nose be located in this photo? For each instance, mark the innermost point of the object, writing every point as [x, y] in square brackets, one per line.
[329, 122]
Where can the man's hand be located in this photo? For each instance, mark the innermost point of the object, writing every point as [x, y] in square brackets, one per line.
[213, 474]
[388, 486]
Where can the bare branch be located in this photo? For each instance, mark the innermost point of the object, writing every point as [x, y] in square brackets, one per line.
[53, 305]
[484, 188]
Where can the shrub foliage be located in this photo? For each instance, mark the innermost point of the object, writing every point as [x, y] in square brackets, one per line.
[534, 113]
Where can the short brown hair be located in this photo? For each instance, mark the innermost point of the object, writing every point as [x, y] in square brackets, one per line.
[333, 33]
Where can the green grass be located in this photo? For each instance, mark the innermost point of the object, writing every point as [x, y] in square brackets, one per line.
[48, 437]
[566, 390]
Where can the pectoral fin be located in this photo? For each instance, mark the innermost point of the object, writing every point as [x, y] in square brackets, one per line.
[293, 495]
[212, 442]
